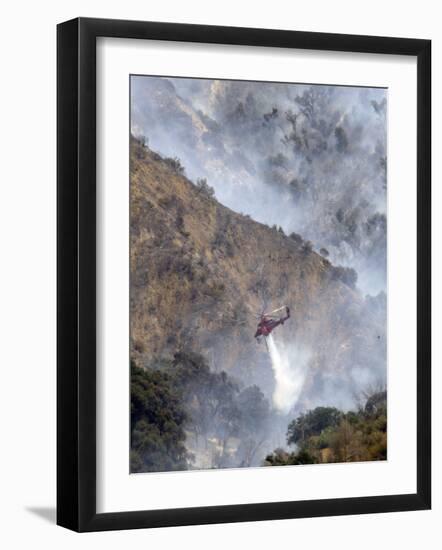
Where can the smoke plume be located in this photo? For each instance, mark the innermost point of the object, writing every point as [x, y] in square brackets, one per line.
[310, 159]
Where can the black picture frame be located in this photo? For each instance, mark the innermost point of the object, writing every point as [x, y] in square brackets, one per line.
[77, 287]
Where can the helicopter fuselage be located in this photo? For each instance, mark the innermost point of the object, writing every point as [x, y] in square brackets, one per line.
[267, 324]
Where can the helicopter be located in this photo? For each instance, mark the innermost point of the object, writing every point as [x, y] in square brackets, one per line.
[269, 321]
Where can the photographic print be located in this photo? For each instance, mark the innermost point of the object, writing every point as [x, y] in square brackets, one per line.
[258, 274]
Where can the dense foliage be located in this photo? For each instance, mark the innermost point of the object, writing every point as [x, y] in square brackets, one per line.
[172, 400]
[312, 423]
[157, 420]
[326, 434]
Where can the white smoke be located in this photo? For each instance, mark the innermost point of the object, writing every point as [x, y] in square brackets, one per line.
[323, 176]
[290, 369]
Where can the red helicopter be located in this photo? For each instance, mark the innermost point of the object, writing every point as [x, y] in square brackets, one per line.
[269, 321]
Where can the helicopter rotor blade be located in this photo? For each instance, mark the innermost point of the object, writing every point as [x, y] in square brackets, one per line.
[276, 310]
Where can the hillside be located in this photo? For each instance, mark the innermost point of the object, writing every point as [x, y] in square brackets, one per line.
[200, 273]
[293, 155]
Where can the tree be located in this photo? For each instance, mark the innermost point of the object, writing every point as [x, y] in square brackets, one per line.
[279, 457]
[341, 139]
[255, 415]
[204, 187]
[312, 423]
[376, 404]
[307, 247]
[208, 397]
[326, 434]
[157, 423]
[344, 444]
[218, 411]
[175, 165]
[347, 275]
[269, 116]
[296, 237]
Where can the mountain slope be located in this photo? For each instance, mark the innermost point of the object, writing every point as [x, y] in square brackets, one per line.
[200, 272]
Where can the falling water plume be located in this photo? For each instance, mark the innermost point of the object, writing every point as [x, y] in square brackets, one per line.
[289, 366]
